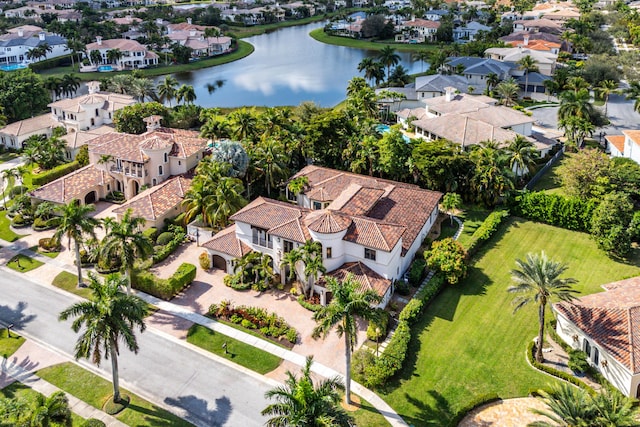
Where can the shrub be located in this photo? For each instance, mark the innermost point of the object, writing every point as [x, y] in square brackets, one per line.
[234, 282]
[402, 287]
[93, 422]
[378, 329]
[488, 227]
[448, 257]
[205, 261]
[416, 271]
[18, 221]
[361, 360]
[49, 244]
[309, 306]
[164, 238]
[578, 361]
[248, 324]
[292, 336]
[151, 233]
[571, 213]
[163, 253]
[18, 189]
[55, 173]
[390, 361]
[166, 289]
[411, 311]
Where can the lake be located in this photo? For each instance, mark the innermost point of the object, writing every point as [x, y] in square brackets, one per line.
[287, 67]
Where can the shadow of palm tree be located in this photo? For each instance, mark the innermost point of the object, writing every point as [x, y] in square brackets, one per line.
[434, 415]
[16, 316]
[198, 409]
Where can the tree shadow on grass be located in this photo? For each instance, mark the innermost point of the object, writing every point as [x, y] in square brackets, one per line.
[435, 415]
[198, 409]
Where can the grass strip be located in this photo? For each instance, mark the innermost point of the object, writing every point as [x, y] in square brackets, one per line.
[44, 253]
[22, 263]
[9, 345]
[95, 391]
[236, 351]
[6, 233]
[69, 282]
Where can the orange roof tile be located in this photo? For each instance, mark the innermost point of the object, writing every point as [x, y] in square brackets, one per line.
[157, 201]
[617, 141]
[72, 186]
[366, 278]
[226, 242]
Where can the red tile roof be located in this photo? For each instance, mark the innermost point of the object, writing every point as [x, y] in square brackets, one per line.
[366, 278]
[226, 242]
[611, 319]
[267, 213]
[327, 221]
[157, 201]
[72, 186]
[617, 141]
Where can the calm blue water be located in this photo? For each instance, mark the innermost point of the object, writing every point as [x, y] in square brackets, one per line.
[12, 67]
[105, 68]
[287, 68]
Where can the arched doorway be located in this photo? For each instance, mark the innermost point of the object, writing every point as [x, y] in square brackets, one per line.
[135, 188]
[91, 197]
[219, 262]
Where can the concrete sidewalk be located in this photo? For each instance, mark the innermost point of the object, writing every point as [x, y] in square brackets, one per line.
[179, 312]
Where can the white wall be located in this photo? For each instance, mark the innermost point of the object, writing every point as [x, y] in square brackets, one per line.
[523, 129]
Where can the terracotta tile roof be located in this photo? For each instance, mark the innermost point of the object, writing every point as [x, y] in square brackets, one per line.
[72, 186]
[104, 100]
[500, 116]
[267, 213]
[122, 44]
[464, 130]
[424, 23]
[293, 230]
[611, 319]
[327, 221]
[617, 141]
[80, 138]
[226, 242]
[155, 202]
[374, 234]
[357, 200]
[366, 278]
[35, 124]
[634, 135]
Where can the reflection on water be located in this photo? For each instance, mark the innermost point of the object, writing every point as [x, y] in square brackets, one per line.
[286, 68]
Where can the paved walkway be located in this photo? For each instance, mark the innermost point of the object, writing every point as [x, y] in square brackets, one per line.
[186, 314]
[505, 413]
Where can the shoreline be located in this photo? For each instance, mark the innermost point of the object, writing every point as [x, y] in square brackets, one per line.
[319, 35]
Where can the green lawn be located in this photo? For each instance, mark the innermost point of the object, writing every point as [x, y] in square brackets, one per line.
[69, 282]
[238, 352]
[368, 416]
[25, 392]
[447, 229]
[47, 254]
[472, 217]
[9, 345]
[22, 263]
[95, 391]
[319, 35]
[5, 231]
[5, 157]
[469, 344]
[550, 181]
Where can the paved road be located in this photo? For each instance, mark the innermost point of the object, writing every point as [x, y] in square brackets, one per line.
[211, 393]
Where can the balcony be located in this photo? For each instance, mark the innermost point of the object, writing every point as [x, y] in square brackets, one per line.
[265, 243]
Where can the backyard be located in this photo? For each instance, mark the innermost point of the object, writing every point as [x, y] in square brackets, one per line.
[470, 344]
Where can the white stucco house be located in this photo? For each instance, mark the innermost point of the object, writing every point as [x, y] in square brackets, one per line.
[134, 54]
[625, 145]
[369, 227]
[16, 43]
[606, 326]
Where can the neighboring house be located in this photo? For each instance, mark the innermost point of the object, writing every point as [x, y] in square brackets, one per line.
[436, 14]
[544, 60]
[155, 204]
[15, 134]
[15, 45]
[538, 26]
[537, 41]
[475, 70]
[469, 32]
[134, 55]
[417, 31]
[87, 185]
[606, 326]
[367, 226]
[435, 85]
[75, 140]
[626, 145]
[195, 39]
[535, 82]
[89, 111]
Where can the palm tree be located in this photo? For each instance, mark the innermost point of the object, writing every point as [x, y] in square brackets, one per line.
[114, 55]
[9, 176]
[451, 201]
[528, 64]
[186, 93]
[54, 84]
[243, 124]
[290, 260]
[372, 69]
[125, 241]
[491, 177]
[95, 57]
[633, 92]
[538, 278]
[507, 90]
[167, 89]
[109, 318]
[522, 155]
[575, 104]
[75, 224]
[422, 56]
[196, 201]
[302, 403]
[492, 81]
[226, 200]
[298, 185]
[606, 88]
[70, 84]
[272, 161]
[388, 57]
[76, 47]
[347, 303]
[143, 88]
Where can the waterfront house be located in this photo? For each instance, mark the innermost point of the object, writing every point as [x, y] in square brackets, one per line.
[417, 31]
[469, 32]
[16, 43]
[544, 60]
[133, 54]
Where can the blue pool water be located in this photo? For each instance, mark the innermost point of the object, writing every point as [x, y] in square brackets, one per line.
[385, 128]
[12, 67]
[105, 68]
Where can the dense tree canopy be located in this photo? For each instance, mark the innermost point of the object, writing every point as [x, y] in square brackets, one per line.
[22, 95]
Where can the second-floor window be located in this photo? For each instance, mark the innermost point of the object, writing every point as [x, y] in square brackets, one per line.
[287, 246]
[261, 237]
[97, 112]
[166, 157]
[329, 253]
[369, 254]
[160, 170]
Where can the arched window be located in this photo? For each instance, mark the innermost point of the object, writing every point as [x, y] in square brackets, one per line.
[160, 170]
[166, 157]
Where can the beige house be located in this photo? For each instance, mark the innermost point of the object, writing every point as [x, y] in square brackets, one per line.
[15, 134]
[544, 60]
[134, 54]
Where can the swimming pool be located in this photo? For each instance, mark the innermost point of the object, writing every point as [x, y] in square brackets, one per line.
[105, 68]
[12, 67]
[385, 128]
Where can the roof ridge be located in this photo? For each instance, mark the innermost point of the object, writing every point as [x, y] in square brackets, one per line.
[632, 362]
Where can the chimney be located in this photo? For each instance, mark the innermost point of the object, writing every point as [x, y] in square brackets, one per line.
[20, 32]
[42, 35]
[192, 33]
[189, 21]
[99, 40]
[526, 40]
[93, 87]
[159, 21]
[153, 122]
[449, 93]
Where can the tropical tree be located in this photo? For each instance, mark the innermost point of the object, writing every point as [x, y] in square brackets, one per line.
[507, 90]
[290, 260]
[272, 160]
[528, 64]
[373, 70]
[388, 58]
[538, 280]
[142, 88]
[40, 412]
[95, 56]
[77, 48]
[114, 55]
[605, 89]
[70, 84]
[522, 155]
[633, 93]
[226, 200]
[110, 318]
[491, 177]
[75, 223]
[347, 302]
[575, 104]
[9, 176]
[186, 93]
[301, 403]
[243, 124]
[450, 202]
[298, 185]
[492, 81]
[422, 56]
[167, 89]
[125, 241]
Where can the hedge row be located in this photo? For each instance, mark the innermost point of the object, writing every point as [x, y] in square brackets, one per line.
[571, 213]
[390, 361]
[488, 227]
[555, 372]
[55, 173]
[169, 248]
[417, 270]
[166, 289]
[308, 305]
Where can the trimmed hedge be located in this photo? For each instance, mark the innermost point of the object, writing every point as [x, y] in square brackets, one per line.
[166, 289]
[93, 422]
[169, 248]
[488, 227]
[308, 305]
[571, 213]
[40, 224]
[55, 173]
[151, 233]
[417, 271]
[164, 238]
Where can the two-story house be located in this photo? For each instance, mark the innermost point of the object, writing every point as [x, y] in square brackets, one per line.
[367, 226]
[132, 54]
[417, 30]
[625, 145]
[15, 45]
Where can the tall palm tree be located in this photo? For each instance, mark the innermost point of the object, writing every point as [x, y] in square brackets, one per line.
[302, 403]
[114, 55]
[522, 155]
[75, 223]
[451, 201]
[422, 56]
[291, 260]
[605, 89]
[272, 161]
[347, 302]
[575, 103]
[95, 56]
[528, 64]
[196, 201]
[633, 92]
[70, 84]
[226, 200]
[388, 57]
[77, 48]
[109, 319]
[492, 81]
[54, 85]
[142, 88]
[125, 241]
[167, 89]
[373, 70]
[243, 124]
[507, 90]
[186, 93]
[538, 280]
[9, 176]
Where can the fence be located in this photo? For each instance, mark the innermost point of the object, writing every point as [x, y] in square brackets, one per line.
[544, 169]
